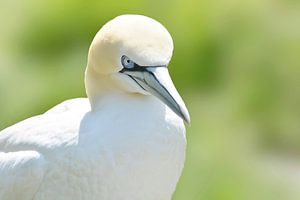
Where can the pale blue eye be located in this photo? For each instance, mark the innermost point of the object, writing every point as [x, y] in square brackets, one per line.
[127, 63]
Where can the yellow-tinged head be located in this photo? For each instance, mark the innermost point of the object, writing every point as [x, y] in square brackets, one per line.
[130, 54]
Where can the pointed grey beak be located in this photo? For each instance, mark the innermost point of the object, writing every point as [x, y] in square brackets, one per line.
[157, 81]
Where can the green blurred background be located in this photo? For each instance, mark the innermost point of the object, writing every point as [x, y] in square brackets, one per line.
[236, 64]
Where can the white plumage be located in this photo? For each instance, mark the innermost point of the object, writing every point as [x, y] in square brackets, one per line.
[121, 142]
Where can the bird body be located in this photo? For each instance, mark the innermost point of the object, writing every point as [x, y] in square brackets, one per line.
[119, 158]
[114, 145]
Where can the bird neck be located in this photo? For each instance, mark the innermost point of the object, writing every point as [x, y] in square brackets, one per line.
[98, 87]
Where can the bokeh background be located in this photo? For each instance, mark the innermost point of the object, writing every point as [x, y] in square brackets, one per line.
[236, 64]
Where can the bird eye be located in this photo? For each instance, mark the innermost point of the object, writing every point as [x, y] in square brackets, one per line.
[127, 63]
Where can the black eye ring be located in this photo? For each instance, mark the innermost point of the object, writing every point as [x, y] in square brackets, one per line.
[127, 63]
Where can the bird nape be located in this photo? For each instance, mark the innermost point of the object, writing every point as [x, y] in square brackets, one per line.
[125, 141]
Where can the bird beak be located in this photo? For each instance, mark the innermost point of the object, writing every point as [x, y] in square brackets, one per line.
[157, 81]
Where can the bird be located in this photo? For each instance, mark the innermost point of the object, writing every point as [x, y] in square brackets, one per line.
[125, 140]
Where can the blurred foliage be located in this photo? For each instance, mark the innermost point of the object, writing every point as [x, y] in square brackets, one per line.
[236, 64]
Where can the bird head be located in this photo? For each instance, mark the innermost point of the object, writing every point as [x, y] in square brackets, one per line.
[130, 54]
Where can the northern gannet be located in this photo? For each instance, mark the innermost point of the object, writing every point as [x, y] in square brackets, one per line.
[125, 141]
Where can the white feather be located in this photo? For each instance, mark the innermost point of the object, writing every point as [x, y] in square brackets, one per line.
[118, 144]
[71, 153]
